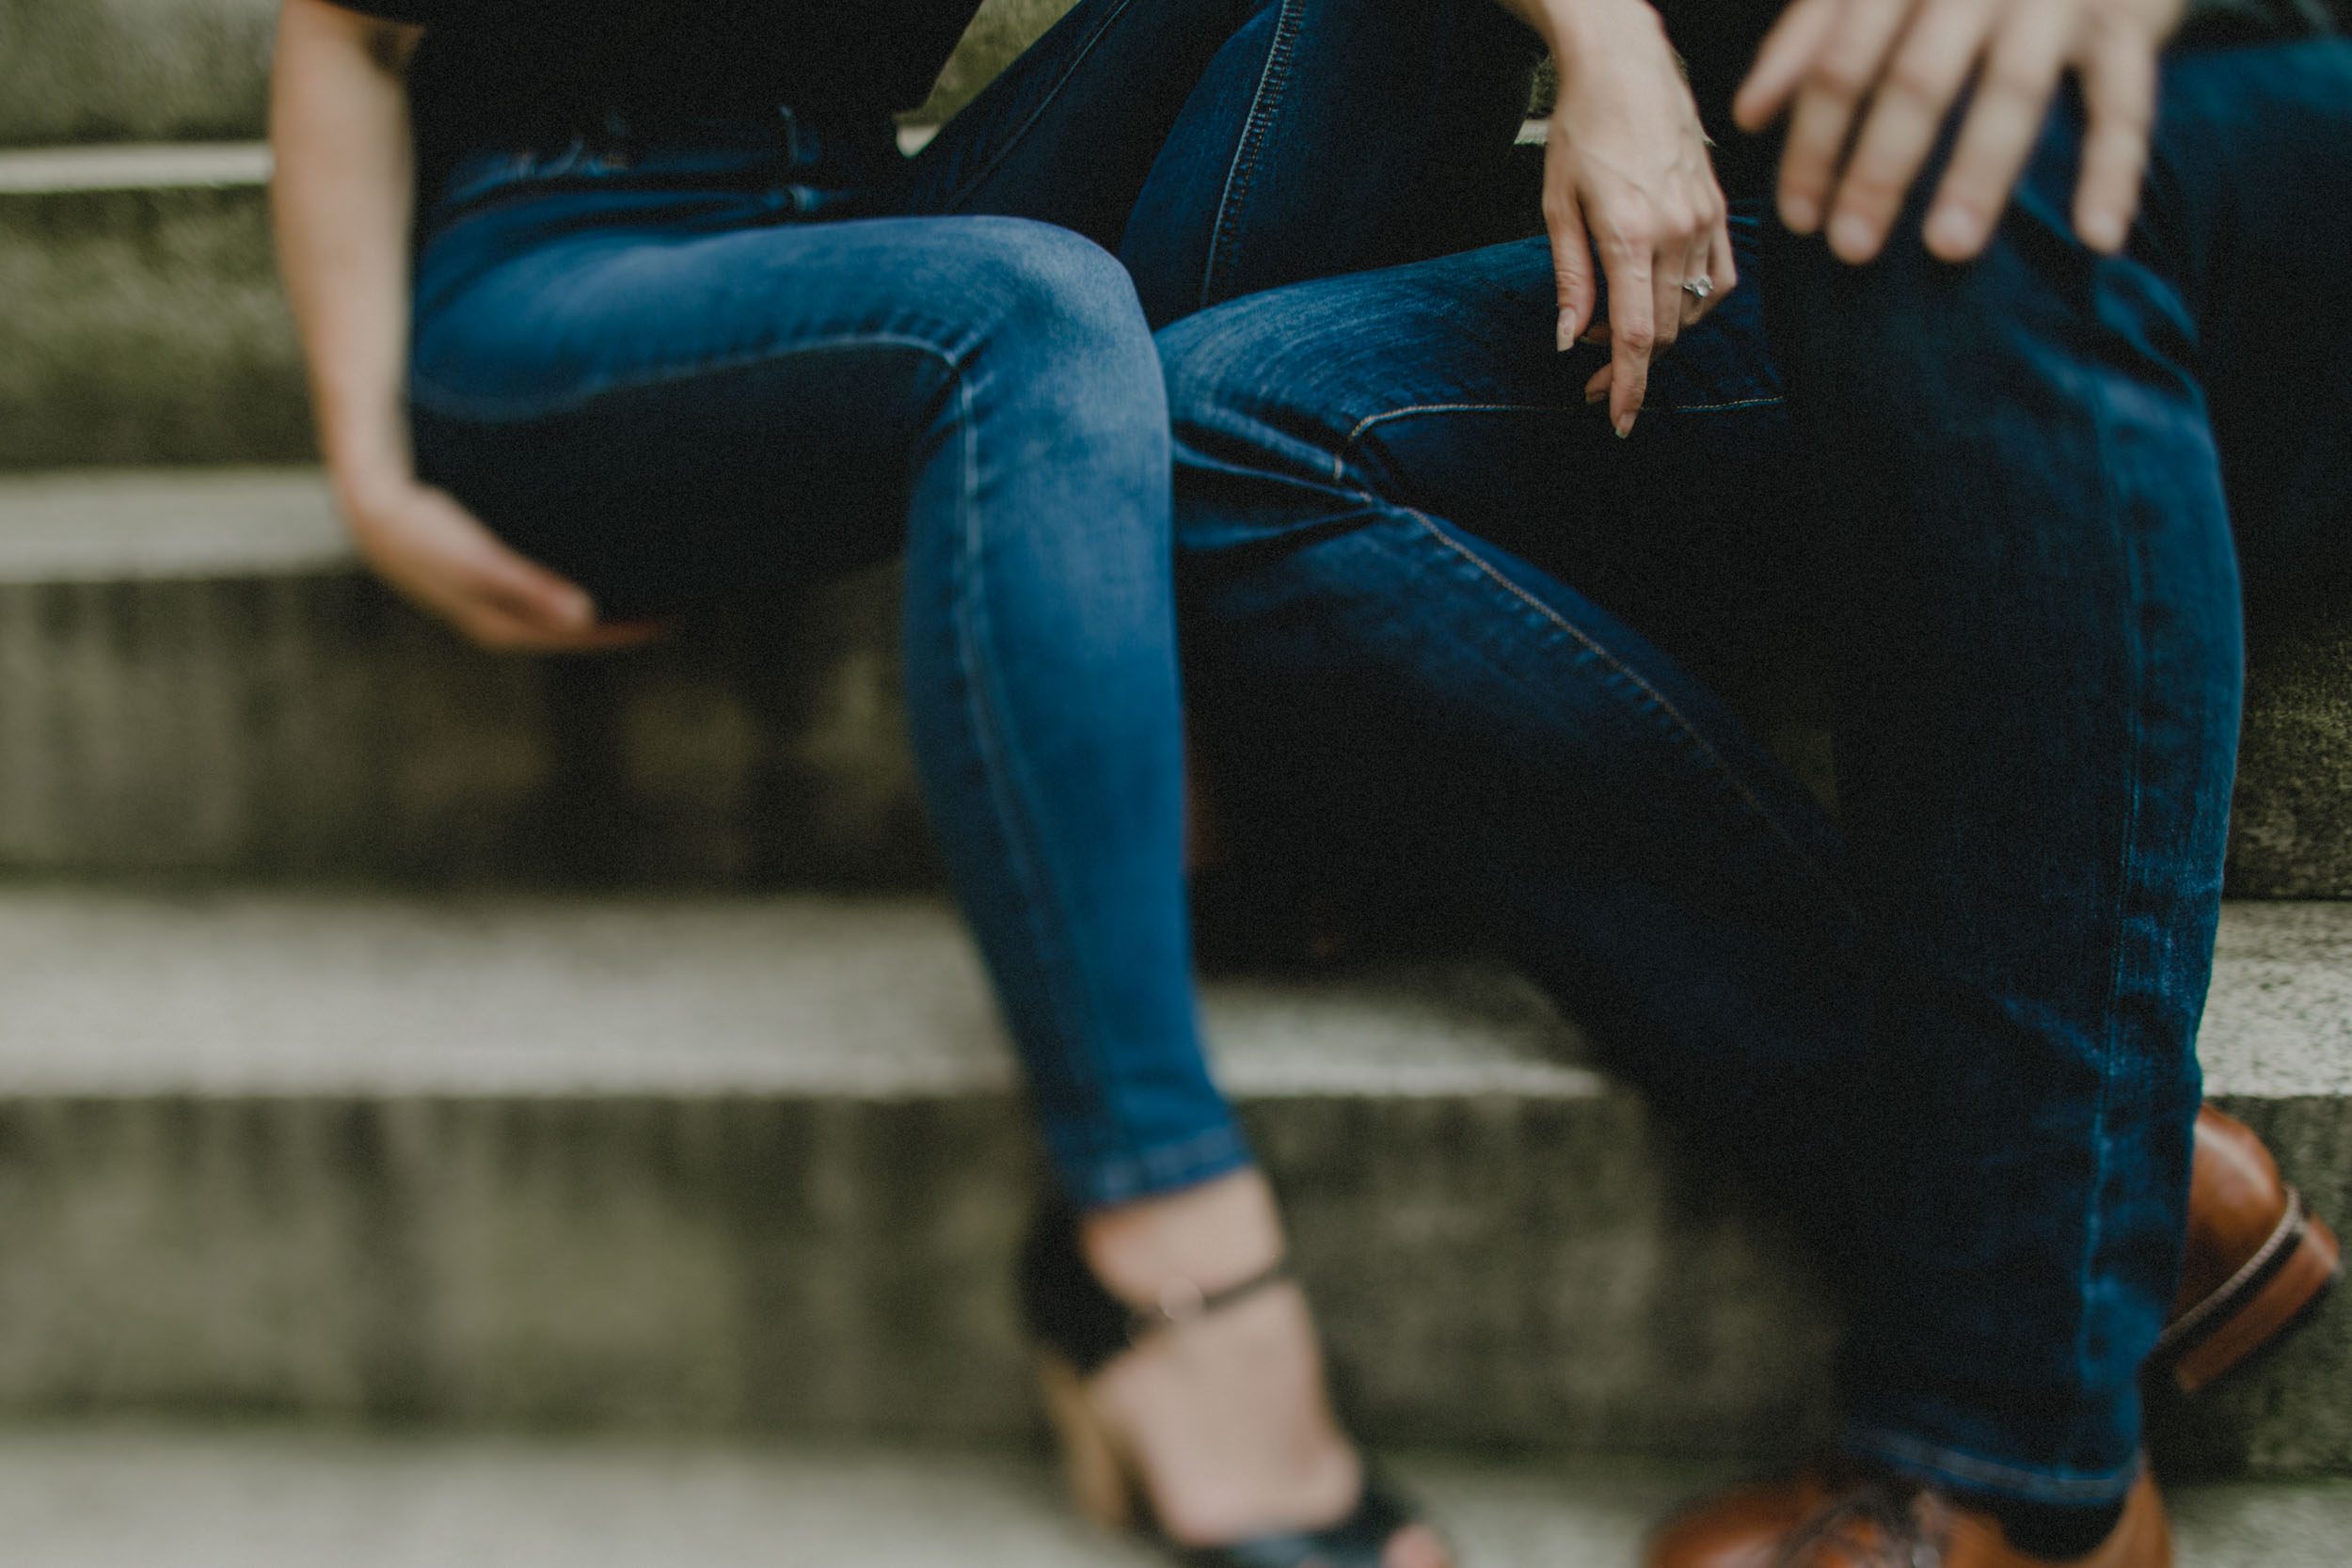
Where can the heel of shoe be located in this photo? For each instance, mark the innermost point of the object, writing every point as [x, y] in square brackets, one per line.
[2274, 1295]
[1101, 1486]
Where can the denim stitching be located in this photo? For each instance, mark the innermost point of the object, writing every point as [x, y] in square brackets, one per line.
[1384, 416]
[2126, 874]
[1272, 78]
[1720, 407]
[1897, 1448]
[437, 399]
[1168, 1166]
[999, 767]
[1013, 141]
[1658, 700]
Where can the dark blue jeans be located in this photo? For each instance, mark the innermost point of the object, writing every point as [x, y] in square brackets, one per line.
[693, 359]
[1435, 606]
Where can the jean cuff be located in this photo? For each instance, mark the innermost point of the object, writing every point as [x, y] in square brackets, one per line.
[1093, 1180]
[1952, 1468]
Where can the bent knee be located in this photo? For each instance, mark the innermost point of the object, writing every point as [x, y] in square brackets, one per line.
[1031, 279]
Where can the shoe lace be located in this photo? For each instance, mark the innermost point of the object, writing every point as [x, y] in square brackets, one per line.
[1883, 1522]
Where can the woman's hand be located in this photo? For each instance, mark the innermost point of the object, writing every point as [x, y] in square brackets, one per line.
[1908, 60]
[441, 559]
[1627, 178]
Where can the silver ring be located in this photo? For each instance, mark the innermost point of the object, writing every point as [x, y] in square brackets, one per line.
[1699, 287]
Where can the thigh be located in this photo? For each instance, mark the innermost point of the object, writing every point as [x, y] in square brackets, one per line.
[1068, 133]
[1437, 386]
[1223, 147]
[2250, 207]
[672, 410]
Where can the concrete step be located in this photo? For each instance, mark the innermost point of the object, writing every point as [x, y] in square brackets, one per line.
[144, 323]
[757, 1166]
[127, 1497]
[113, 70]
[196, 680]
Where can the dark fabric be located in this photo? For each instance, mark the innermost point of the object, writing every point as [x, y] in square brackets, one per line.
[516, 71]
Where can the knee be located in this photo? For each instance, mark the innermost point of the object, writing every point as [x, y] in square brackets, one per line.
[1029, 283]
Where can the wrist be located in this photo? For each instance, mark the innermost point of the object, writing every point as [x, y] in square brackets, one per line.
[1582, 33]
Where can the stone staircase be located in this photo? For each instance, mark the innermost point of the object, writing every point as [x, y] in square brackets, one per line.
[397, 1039]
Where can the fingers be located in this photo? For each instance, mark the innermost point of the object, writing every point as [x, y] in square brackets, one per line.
[2119, 77]
[1632, 333]
[1573, 287]
[2013, 98]
[1907, 111]
[1842, 74]
[1787, 55]
[445, 561]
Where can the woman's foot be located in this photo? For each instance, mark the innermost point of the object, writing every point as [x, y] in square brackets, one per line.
[1226, 1416]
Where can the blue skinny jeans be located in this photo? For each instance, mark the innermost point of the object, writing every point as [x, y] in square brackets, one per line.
[1438, 614]
[700, 359]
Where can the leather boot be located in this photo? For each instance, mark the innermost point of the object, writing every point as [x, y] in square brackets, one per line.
[2257, 1263]
[1825, 1519]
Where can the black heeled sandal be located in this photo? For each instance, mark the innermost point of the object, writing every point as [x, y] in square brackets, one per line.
[1079, 1327]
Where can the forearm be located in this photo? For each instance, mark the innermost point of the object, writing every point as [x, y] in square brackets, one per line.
[342, 194]
[1578, 30]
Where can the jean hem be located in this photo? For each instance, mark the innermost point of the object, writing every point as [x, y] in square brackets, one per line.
[1971, 1472]
[1154, 1172]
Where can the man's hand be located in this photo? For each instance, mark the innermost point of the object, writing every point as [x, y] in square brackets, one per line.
[441, 559]
[1906, 63]
[1627, 176]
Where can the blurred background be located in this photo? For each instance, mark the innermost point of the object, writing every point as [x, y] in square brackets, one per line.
[505, 1110]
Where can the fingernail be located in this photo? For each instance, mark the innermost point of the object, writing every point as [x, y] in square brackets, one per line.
[1565, 334]
[1852, 236]
[1952, 231]
[2102, 232]
[1591, 398]
[1800, 214]
[1624, 426]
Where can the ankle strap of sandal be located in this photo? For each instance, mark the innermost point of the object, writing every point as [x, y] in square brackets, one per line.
[1069, 1310]
[1182, 1301]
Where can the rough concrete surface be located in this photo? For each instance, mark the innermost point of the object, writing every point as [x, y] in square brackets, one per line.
[81, 70]
[145, 325]
[241, 994]
[116, 1497]
[757, 1165]
[232, 696]
[135, 167]
[2291, 823]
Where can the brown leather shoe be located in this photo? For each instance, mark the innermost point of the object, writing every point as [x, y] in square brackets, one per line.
[2257, 1264]
[1824, 1520]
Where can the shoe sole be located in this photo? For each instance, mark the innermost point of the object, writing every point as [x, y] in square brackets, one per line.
[2272, 1295]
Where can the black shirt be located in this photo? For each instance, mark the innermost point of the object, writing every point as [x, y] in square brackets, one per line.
[517, 71]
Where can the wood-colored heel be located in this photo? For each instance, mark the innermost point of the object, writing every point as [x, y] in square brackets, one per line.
[1102, 1485]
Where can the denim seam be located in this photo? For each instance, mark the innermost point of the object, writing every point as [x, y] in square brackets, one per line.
[1044, 103]
[1355, 436]
[1048, 921]
[1689, 732]
[2127, 873]
[1973, 1469]
[1225, 234]
[436, 399]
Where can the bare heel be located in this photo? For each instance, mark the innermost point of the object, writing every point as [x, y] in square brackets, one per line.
[1100, 1485]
